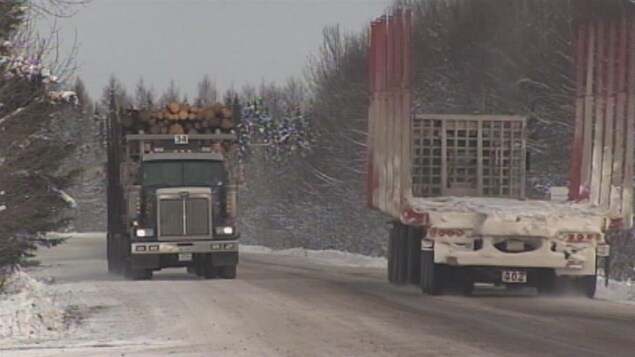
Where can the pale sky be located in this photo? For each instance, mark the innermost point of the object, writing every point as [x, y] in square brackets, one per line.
[236, 42]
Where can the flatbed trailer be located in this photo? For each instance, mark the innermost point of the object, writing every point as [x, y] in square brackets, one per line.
[454, 184]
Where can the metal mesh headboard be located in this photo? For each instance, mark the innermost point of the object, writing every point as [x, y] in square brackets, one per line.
[468, 155]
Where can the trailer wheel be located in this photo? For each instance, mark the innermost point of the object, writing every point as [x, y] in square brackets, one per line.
[413, 250]
[463, 280]
[227, 272]
[391, 256]
[586, 285]
[433, 276]
[396, 248]
[546, 283]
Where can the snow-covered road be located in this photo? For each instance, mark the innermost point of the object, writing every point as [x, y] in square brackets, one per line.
[293, 305]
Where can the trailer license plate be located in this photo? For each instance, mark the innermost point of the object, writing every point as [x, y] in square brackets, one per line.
[185, 257]
[514, 276]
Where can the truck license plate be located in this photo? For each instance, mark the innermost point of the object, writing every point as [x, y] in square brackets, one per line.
[514, 276]
[185, 257]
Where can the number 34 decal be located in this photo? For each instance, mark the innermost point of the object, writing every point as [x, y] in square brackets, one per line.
[181, 139]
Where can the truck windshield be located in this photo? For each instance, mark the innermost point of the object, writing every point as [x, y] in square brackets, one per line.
[183, 173]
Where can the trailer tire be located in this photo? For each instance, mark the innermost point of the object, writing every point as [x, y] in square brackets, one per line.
[586, 285]
[546, 283]
[227, 272]
[389, 255]
[413, 250]
[397, 245]
[401, 260]
[433, 276]
[463, 280]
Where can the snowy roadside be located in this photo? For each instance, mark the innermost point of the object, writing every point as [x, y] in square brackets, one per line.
[618, 291]
[30, 311]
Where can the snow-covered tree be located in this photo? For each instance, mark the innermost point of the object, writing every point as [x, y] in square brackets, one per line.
[32, 157]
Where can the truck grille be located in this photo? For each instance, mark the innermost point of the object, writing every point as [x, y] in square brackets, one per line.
[184, 217]
[197, 217]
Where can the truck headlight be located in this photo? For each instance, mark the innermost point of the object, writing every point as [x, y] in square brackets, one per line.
[225, 230]
[144, 232]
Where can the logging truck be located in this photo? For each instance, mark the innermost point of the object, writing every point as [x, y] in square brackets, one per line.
[454, 184]
[172, 191]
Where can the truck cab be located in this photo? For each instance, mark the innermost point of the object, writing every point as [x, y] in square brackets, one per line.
[176, 206]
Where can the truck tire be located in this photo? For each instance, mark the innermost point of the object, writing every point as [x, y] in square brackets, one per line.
[114, 255]
[227, 272]
[433, 276]
[110, 252]
[209, 271]
[138, 274]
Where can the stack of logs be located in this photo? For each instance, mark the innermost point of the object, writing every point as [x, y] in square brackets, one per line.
[179, 118]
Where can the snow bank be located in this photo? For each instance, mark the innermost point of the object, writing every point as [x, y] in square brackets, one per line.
[28, 311]
[619, 291]
[326, 257]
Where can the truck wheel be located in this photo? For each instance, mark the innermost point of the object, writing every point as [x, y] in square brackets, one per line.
[138, 274]
[433, 276]
[113, 255]
[112, 265]
[209, 271]
[227, 272]
[586, 285]
[148, 274]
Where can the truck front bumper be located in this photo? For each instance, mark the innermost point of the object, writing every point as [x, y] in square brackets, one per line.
[207, 246]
